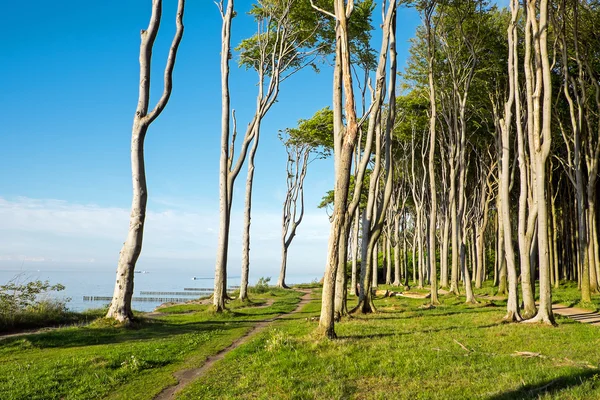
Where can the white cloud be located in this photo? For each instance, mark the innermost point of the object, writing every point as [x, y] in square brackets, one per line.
[59, 233]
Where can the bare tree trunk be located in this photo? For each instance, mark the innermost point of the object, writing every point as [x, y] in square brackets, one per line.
[383, 143]
[297, 164]
[432, 142]
[404, 250]
[247, 217]
[388, 271]
[444, 255]
[397, 277]
[454, 224]
[542, 142]
[414, 257]
[120, 307]
[355, 228]
[555, 226]
[512, 306]
[344, 144]
[224, 205]
[340, 307]
[375, 265]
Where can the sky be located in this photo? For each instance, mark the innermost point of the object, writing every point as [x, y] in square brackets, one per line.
[68, 90]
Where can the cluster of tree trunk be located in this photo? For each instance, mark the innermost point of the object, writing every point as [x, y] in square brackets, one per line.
[484, 168]
[491, 170]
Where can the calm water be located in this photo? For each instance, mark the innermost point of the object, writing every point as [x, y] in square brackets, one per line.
[79, 283]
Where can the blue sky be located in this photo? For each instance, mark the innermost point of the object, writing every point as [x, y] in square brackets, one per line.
[69, 76]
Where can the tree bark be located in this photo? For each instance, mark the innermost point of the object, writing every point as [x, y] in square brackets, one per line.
[120, 307]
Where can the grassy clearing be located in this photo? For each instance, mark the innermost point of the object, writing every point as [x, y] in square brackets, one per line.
[94, 361]
[405, 352]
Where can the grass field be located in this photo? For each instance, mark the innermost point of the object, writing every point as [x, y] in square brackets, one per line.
[404, 351]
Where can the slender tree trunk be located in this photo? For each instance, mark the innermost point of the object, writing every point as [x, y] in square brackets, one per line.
[404, 250]
[388, 271]
[120, 307]
[397, 277]
[444, 255]
[542, 143]
[340, 307]
[421, 246]
[453, 223]
[375, 265]
[247, 217]
[224, 204]
[355, 228]
[512, 306]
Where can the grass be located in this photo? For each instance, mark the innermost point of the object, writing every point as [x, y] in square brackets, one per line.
[453, 351]
[567, 294]
[404, 351]
[103, 360]
[45, 314]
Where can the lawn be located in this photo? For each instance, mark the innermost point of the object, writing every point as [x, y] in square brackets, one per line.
[102, 360]
[404, 351]
[453, 351]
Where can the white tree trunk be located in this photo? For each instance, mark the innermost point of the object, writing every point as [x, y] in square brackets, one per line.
[120, 307]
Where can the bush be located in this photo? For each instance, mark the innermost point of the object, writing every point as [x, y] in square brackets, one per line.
[262, 286]
[25, 305]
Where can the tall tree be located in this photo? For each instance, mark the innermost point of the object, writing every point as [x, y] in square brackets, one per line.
[120, 307]
[297, 163]
[541, 137]
[275, 53]
[312, 136]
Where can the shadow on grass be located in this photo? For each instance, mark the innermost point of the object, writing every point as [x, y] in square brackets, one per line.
[147, 330]
[412, 332]
[412, 313]
[150, 328]
[551, 387]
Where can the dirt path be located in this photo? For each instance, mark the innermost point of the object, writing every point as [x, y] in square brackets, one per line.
[577, 314]
[185, 377]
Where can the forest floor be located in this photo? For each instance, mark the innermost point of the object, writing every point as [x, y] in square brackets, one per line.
[404, 351]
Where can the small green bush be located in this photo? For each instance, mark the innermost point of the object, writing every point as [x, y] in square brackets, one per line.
[262, 286]
[25, 305]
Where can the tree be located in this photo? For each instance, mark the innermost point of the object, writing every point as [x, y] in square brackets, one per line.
[540, 141]
[287, 40]
[275, 53]
[345, 139]
[297, 163]
[120, 307]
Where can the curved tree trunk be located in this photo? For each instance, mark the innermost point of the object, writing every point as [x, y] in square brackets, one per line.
[120, 307]
[542, 143]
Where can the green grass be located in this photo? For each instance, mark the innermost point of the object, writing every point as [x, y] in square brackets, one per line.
[567, 294]
[94, 361]
[45, 314]
[406, 352]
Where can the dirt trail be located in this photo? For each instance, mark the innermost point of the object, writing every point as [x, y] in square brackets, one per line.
[185, 377]
[577, 314]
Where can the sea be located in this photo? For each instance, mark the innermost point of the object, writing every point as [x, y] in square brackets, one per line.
[81, 286]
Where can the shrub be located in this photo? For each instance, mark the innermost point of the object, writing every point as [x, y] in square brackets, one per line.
[262, 286]
[24, 304]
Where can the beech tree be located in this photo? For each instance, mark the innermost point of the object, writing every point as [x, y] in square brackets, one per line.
[293, 212]
[284, 43]
[120, 306]
[312, 136]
